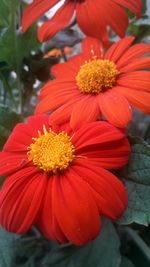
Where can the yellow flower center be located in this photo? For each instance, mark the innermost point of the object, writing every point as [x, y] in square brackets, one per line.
[51, 152]
[96, 75]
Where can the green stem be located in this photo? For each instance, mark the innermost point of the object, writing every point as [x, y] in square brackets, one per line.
[14, 6]
[139, 242]
[7, 88]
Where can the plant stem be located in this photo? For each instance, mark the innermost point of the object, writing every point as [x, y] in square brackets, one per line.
[7, 89]
[139, 242]
[14, 6]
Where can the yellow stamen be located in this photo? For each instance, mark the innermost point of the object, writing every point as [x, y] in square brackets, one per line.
[51, 152]
[96, 75]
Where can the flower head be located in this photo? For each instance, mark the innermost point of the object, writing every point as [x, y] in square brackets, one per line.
[57, 179]
[93, 17]
[95, 83]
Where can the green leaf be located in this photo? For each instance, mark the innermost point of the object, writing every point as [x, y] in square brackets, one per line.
[4, 11]
[138, 210]
[104, 251]
[14, 45]
[30, 252]
[13, 49]
[137, 181]
[8, 119]
[138, 168]
[8, 248]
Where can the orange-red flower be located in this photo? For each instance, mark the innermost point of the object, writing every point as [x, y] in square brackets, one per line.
[95, 83]
[56, 179]
[93, 17]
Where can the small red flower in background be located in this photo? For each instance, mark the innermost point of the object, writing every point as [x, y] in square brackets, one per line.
[93, 17]
[56, 179]
[95, 83]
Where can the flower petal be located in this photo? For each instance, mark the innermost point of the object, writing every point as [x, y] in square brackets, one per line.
[134, 6]
[108, 191]
[115, 13]
[116, 51]
[75, 62]
[85, 110]
[133, 53]
[21, 137]
[96, 133]
[115, 108]
[94, 26]
[46, 220]
[139, 99]
[34, 11]
[141, 63]
[79, 220]
[53, 85]
[139, 80]
[109, 158]
[56, 99]
[10, 162]
[63, 71]
[60, 20]
[92, 48]
[62, 114]
[20, 199]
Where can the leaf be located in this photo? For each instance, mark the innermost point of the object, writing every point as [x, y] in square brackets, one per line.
[137, 181]
[14, 47]
[138, 168]
[8, 119]
[8, 247]
[138, 210]
[104, 251]
[4, 9]
[16, 251]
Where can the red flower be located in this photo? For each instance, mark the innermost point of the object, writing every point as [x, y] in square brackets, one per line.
[95, 83]
[93, 17]
[57, 179]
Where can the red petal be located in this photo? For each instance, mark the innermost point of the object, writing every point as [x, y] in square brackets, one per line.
[34, 11]
[109, 193]
[115, 108]
[89, 109]
[46, 220]
[22, 134]
[139, 99]
[62, 114]
[134, 6]
[19, 139]
[63, 71]
[56, 99]
[20, 199]
[141, 63]
[75, 63]
[92, 19]
[79, 220]
[96, 133]
[117, 50]
[60, 20]
[92, 48]
[139, 80]
[115, 13]
[134, 52]
[53, 85]
[12, 162]
[111, 155]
